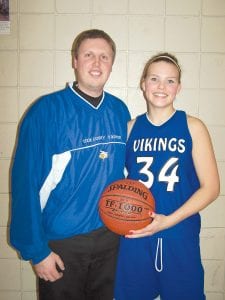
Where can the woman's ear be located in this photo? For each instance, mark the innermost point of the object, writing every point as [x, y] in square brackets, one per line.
[179, 88]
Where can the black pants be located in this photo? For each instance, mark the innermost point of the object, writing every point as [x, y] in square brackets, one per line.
[90, 262]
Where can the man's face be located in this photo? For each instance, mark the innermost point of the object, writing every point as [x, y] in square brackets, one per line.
[93, 65]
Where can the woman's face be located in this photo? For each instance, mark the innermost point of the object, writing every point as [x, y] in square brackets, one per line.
[161, 84]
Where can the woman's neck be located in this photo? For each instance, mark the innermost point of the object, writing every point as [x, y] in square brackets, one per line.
[159, 116]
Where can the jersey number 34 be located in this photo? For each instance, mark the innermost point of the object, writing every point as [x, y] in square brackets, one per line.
[167, 174]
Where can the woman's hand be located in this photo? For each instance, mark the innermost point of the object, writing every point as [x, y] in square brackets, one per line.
[159, 222]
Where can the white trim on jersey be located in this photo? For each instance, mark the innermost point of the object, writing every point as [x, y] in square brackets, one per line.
[92, 146]
[59, 163]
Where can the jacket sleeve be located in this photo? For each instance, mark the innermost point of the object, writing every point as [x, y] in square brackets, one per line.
[26, 230]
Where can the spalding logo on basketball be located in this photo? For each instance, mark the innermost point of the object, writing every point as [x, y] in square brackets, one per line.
[125, 205]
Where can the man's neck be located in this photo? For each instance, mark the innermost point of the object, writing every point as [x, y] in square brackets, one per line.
[92, 100]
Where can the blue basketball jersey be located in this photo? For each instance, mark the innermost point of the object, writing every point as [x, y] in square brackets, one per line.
[161, 158]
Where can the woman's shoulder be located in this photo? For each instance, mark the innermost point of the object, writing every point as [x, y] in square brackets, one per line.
[196, 125]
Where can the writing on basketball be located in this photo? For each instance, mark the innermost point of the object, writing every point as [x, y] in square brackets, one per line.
[126, 207]
[131, 188]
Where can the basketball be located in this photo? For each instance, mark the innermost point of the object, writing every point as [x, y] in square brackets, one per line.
[125, 205]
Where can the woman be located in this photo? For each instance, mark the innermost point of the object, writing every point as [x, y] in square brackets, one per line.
[172, 154]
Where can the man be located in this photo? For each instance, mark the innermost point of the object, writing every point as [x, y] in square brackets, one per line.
[71, 145]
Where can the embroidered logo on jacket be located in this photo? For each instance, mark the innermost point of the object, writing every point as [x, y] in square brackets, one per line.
[103, 155]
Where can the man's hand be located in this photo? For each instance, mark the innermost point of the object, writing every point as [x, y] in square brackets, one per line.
[46, 269]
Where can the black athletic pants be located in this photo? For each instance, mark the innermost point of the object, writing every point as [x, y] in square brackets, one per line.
[90, 262]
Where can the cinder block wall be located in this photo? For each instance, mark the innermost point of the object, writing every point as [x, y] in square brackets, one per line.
[35, 59]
